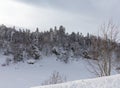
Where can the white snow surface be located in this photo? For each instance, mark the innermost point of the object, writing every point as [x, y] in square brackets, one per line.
[24, 75]
[101, 82]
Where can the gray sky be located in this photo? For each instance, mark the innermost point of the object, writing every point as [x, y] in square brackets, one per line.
[76, 15]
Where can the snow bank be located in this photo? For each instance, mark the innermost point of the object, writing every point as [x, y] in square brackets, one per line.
[101, 82]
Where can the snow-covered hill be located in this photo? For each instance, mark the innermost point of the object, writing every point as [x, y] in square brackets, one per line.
[101, 82]
[24, 75]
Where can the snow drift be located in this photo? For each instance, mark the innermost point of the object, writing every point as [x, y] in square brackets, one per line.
[101, 82]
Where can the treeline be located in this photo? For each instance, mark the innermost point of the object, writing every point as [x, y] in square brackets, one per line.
[24, 44]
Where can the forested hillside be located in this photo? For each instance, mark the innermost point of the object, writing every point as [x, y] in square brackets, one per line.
[24, 44]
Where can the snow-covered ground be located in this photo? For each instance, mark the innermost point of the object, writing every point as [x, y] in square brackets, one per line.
[101, 82]
[24, 75]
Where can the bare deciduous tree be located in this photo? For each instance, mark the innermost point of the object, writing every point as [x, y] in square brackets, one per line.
[105, 48]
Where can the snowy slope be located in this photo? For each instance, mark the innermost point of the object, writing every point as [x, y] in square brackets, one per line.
[23, 75]
[102, 82]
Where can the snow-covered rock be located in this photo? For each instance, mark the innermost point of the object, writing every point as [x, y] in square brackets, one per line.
[101, 82]
[31, 61]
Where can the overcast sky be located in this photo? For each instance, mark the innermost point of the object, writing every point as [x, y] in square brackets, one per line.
[76, 15]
